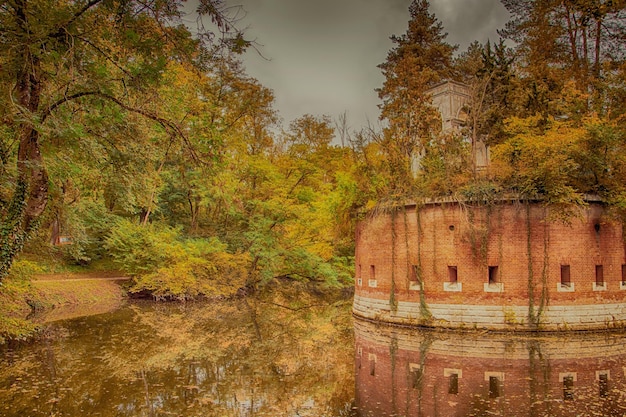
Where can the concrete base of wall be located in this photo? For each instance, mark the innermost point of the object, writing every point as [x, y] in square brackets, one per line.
[455, 316]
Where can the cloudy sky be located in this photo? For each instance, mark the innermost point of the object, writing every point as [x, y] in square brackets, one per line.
[321, 56]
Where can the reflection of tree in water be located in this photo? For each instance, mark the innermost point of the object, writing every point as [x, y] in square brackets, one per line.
[193, 359]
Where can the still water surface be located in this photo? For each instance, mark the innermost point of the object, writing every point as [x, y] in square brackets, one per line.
[275, 358]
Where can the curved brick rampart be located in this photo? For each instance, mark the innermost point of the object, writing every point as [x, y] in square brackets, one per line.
[506, 266]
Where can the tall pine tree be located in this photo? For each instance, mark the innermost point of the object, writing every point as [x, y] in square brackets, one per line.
[420, 59]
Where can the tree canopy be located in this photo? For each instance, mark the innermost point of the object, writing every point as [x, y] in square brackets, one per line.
[547, 100]
[145, 142]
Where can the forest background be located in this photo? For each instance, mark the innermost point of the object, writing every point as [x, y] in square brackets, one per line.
[148, 145]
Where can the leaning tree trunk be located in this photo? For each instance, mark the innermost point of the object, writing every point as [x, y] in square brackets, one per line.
[30, 194]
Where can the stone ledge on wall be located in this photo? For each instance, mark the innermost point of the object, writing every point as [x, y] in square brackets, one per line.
[553, 318]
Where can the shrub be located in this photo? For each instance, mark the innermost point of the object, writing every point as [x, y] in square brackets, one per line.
[15, 294]
[168, 266]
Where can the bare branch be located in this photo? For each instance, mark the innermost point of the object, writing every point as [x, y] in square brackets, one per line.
[105, 55]
[172, 128]
[61, 30]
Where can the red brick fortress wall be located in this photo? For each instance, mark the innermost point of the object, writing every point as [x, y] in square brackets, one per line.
[508, 265]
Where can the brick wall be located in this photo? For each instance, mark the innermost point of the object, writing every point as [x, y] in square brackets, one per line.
[507, 257]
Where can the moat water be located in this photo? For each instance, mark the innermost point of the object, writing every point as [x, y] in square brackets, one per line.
[280, 359]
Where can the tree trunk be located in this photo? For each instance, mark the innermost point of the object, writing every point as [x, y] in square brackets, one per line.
[31, 190]
[194, 210]
[596, 64]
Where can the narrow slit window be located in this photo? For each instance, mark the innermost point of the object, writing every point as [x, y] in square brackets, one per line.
[493, 274]
[568, 388]
[624, 274]
[452, 274]
[565, 276]
[372, 272]
[415, 276]
[599, 275]
[416, 377]
[603, 385]
[372, 367]
[453, 384]
[494, 387]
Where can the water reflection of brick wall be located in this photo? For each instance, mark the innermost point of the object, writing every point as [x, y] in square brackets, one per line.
[503, 266]
[420, 373]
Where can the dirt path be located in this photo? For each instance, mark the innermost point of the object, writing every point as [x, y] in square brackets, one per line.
[83, 276]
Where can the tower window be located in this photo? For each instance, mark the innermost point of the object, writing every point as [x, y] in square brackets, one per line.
[415, 276]
[415, 372]
[599, 275]
[372, 361]
[452, 274]
[493, 274]
[372, 281]
[565, 276]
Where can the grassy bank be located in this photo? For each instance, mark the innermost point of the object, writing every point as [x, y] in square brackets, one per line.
[29, 299]
[59, 298]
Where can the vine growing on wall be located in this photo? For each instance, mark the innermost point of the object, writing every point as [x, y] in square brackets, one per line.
[544, 271]
[393, 302]
[500, 242]
[425, 313]
[535, 313]
[406, 247]
[475, 197]
[532, 319]
[478, 231]
[12, 233]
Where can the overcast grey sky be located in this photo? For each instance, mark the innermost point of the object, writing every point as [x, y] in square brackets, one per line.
[321, 56]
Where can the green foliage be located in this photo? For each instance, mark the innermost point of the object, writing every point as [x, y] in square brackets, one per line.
[481, 192]
[420, 58]
[108, 61]
[168, 266]
[445, 165]
[139, 249]
[15, 296]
